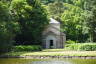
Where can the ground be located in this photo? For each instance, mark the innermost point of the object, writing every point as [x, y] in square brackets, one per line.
[53, 52]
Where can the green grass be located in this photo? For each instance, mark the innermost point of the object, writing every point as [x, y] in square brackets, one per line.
[53, 52]
[65, 53]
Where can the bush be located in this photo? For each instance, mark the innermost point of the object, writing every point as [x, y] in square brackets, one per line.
[5, 47]
[88, 47]
[81, 46]
[72, 46]
[27, 48]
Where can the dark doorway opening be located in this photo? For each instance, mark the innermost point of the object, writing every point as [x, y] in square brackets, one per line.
[51, 43]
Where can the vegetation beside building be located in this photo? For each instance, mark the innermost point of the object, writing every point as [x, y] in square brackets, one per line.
[81, 47]
[23, 21]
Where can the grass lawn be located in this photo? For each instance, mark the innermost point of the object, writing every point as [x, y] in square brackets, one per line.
[53, 52]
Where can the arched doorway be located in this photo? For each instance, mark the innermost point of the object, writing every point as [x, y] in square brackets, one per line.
[50, 41]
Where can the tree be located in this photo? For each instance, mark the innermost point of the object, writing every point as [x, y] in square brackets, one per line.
[8, 28]
[32, 18]
[74, 23]
[83, 21]
[92, 20]
[55, 9]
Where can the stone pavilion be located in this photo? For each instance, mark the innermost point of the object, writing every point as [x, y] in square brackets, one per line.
[52, 36]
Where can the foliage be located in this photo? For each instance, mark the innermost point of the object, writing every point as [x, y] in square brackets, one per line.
[27, 48]
[55, 9]
[72, 46]
[88, 47]
[24, 21]
[70, 42]
[8, 28]
[92, 21]
[81, 46]
[32, 18]
[74, 23]
[77, 15]
[52, 1]
[48, 1]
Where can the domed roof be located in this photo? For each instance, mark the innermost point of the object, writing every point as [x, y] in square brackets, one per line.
[53, 21]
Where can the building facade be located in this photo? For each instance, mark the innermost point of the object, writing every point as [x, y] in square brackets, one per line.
[52, 36]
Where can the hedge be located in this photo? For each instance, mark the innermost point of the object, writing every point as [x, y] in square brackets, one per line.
[27, 48]
[81, 47]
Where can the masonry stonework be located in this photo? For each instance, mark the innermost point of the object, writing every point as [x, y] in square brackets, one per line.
[52, 36]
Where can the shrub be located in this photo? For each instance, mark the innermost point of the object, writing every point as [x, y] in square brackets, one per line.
[5, 47]
[27, 48]
[72, 46]
[81, 46]
[88, 47]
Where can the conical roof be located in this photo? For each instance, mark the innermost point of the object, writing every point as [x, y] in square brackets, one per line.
[53, 21]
